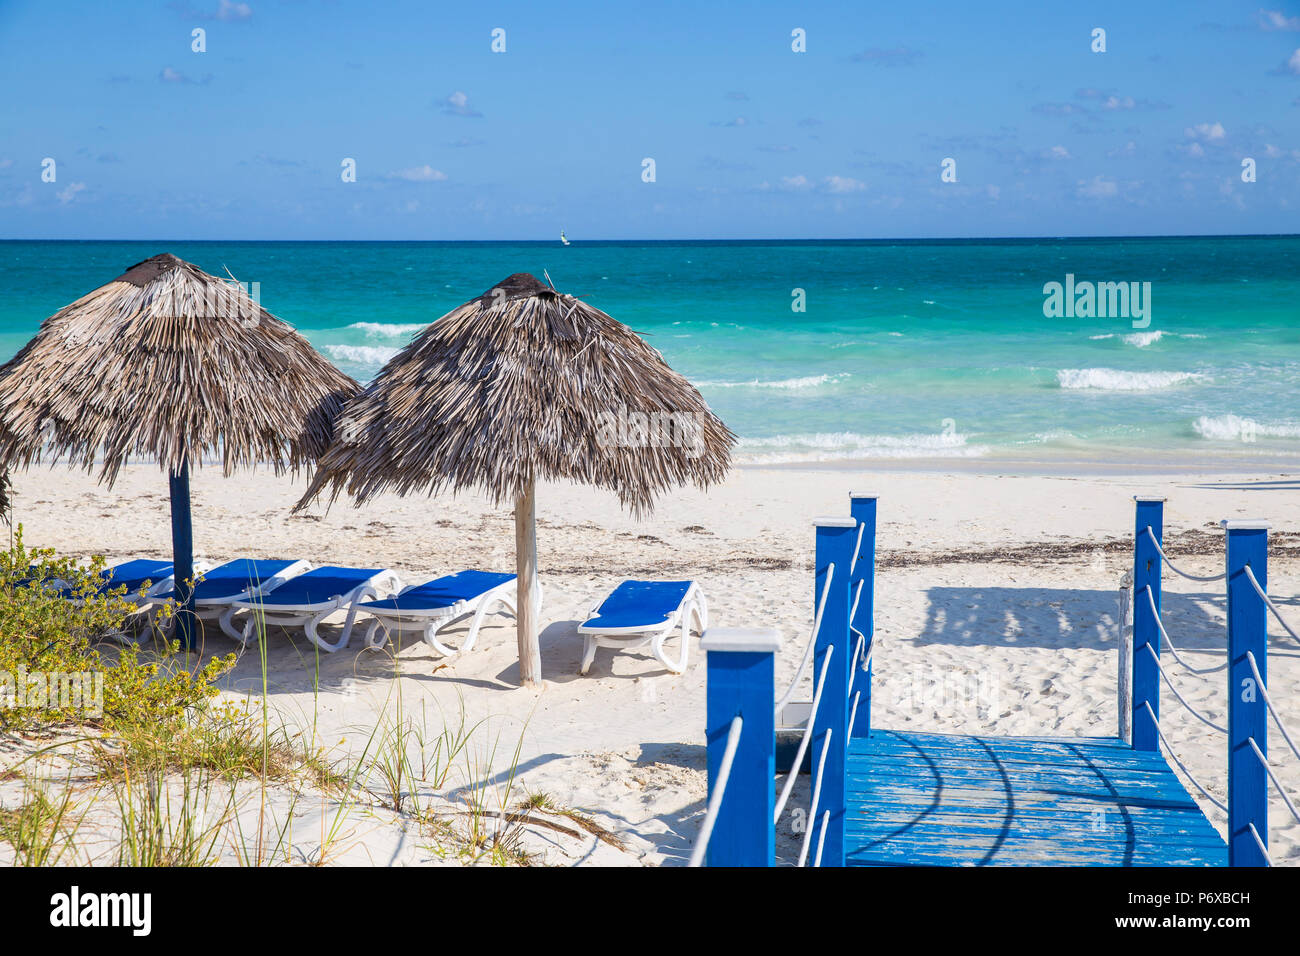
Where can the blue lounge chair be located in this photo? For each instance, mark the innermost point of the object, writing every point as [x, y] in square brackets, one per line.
[428, 608]
[143, 577]
[645, 612]
[307, 599]
[243, 579]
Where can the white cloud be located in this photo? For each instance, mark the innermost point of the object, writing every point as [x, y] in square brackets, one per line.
[794, 182]
[458, 105]
[1293, 64]
[69, 193]
[843, 184]
[233, 11]
[1056, 152]
[1277, 20]
[1097, 188]
[1119, 103]
[1206, 132]
[420, 174]
[1128, 149]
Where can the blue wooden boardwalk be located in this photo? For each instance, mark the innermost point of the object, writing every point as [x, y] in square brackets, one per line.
[941, 800]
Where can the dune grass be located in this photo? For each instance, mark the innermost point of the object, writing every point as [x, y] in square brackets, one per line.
[170, 772]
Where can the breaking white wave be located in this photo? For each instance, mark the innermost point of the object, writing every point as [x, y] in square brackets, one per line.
[362, 354]
[1142, 339]
[1118, 380]
[808, 381]
[1237, 428]
[837, 446]
[386, 330]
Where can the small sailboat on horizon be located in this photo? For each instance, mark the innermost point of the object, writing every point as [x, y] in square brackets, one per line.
[562, 238]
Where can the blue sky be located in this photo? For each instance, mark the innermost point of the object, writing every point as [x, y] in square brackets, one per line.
[749, 139]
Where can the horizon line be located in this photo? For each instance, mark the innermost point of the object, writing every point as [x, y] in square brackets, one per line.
[867, 239]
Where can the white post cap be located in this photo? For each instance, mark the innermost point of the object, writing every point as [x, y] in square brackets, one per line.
[757, 640]
[1244, 524]
[1150, 498]
[834, 521]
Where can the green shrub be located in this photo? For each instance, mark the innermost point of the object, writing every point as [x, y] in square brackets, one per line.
[45, 636]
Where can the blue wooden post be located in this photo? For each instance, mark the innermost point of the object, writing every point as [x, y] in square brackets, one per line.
[742, 680]
[862, 508]
[183, 554]
[836, 540]
[1146, 574]
[1247, 713]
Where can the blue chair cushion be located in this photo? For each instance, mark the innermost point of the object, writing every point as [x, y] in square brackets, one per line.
[443, 592]
[318, 586]
[646, 604]
[234, 578]
[134, 574]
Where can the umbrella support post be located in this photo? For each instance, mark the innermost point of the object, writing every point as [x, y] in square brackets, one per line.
[526, 609]
[183, 555]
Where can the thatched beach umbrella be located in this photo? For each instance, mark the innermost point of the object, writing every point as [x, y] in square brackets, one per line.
[520, 385]
[168, 362]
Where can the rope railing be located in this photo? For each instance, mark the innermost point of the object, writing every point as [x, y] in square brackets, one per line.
[1160, 624]
[805, 738]
[741, 680]
[853, 712]
[1268, 769]
[1268, 602]
[1177, 570]
[719, 790]
[812, 642]
[1268, 702]
[1250, 706]
[821, 840]
[1182, 700]
[816, 799]
[1155, 723]
[1268, 860]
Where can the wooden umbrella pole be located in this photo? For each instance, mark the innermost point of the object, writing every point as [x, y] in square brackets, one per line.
[530, 654]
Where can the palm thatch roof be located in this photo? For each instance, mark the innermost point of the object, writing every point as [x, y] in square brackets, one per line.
[519, 385]
[171, 363]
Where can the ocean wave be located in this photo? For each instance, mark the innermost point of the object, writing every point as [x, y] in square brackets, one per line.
[386, 330]
[362, 354]
[1142, 339]
[1237, 428]
[1118, 380]
[808, 381]
[835, 446]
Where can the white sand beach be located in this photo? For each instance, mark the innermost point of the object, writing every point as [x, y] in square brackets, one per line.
[1004, 583]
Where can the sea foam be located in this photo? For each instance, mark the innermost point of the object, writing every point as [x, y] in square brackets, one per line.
[1118, 380]
[833, 446]
[362, 354]
[386, 330]
[1237, 428]
[807, 381]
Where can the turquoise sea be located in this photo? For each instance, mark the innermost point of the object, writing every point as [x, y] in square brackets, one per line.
[906, 350]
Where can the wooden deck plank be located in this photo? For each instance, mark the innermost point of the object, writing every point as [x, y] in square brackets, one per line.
[945, 800]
